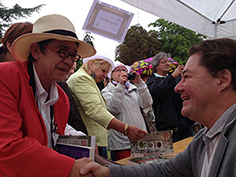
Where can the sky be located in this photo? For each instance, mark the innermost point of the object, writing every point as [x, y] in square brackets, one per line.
[77, 11]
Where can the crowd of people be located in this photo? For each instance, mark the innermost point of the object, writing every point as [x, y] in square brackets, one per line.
[42, 97]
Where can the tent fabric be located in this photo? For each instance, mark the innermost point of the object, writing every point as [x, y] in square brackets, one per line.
[211, 18]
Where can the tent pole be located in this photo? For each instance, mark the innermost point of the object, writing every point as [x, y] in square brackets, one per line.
[215, 32]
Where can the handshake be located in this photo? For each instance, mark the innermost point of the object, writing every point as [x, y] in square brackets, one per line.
[86, 167]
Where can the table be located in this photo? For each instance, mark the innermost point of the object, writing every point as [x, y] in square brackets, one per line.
[178, 146]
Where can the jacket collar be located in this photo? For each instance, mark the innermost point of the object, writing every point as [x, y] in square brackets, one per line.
[31, 75]
[222, 145]
[158, 75]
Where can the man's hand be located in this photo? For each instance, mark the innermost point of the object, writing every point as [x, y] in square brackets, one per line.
[96, 169]
[178, 71]
[75, 171]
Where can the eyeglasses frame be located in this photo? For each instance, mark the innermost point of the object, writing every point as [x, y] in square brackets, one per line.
[71, 55]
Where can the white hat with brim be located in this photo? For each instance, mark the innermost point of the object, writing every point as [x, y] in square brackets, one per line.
[85, 60]
[47, 27]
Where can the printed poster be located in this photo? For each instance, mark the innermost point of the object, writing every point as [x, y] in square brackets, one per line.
[108, 21]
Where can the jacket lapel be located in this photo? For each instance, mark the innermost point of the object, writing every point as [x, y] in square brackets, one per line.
[61, 111]
[33, 89]
[221, 147]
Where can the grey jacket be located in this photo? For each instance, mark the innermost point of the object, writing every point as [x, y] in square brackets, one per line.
[189, 162]
[125, 106]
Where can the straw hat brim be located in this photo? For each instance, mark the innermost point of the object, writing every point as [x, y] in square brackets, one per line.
[21, 46]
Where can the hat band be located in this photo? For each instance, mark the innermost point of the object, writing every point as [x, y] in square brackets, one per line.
[62, 32]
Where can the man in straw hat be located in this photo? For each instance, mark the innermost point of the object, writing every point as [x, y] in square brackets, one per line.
[33, 108]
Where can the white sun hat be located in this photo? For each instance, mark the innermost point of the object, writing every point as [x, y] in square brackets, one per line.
[118, 64]
[85, 60]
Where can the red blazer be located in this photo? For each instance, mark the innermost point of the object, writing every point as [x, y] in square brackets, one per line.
[23, 137]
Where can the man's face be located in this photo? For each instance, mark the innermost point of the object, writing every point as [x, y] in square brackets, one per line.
[198, 89]
[50, 66]
[163, 66]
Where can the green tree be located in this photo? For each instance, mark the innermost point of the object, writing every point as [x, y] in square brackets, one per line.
[16, 12]
[137, 45]
[175, 39]
[88, 38]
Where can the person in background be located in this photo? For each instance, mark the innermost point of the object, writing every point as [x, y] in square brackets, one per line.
[71, 71]
[34, 109]
[167, 103]
[13, 32]
[145, 70]
[124, 101]
[106, 81]
[75, 119]
[208, 89]
[92, 106]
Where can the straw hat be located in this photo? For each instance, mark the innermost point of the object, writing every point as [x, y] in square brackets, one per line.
[49, 27]
[85, 60]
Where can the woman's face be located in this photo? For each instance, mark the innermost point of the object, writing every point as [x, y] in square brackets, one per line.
[115, 75]
[99, 71]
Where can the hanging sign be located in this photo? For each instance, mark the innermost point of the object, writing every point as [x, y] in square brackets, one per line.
[108, 21]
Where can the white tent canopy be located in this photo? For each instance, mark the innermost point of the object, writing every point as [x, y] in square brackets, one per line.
[211, 18]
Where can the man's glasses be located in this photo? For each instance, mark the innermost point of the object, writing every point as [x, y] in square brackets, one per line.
[63, 53]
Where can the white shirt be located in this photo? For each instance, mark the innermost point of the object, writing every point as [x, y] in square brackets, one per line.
[44, 108]
[211, 139]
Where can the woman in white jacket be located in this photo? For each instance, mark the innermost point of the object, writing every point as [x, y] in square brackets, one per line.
[124, 101]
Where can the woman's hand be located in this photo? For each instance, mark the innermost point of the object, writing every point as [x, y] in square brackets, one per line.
[137, 77]
[135, 133]
[123, 77]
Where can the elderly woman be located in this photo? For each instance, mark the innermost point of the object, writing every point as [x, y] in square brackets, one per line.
[124, 101]
[92, 105]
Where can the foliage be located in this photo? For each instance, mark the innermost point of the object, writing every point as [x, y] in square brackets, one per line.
[138, 45]
[175, 39]
[16, 12]
[88, 39]
[79, 63]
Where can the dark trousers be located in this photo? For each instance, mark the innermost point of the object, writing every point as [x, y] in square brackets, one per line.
[102, 151]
